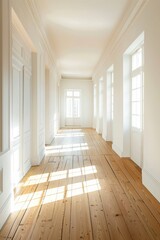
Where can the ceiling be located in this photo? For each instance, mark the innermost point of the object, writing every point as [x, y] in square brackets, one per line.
[79, 30]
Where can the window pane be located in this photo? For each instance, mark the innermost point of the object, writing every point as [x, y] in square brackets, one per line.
[76, 108]
[69, 113]
[136, 94]
[137, 59]
[136, 81]
[136, 108]
[69, 93]
[76, 93]
[95, 100]
[136, 121]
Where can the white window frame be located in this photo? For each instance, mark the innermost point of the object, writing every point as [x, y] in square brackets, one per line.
[135, 72]
[73, 97]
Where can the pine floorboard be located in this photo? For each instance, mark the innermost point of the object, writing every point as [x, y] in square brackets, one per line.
[83, 190]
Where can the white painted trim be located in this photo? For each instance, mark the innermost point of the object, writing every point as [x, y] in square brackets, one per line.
[151, 183]
[104, 137]
[19, 27]
[34, 13]
[26, 169]
[117, 150]
[5, 210]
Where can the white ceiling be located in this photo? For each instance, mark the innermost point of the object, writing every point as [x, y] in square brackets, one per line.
[79, 30]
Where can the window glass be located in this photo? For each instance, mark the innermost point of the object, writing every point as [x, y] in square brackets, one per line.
[137, 59]
[137, 89]
[76, 93]
[69, 93]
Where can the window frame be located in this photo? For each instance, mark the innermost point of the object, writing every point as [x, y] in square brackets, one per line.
[139, 70]
[73, 97]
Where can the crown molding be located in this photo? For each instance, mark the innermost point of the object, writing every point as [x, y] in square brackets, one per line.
[126, 22]
[19, 27]
[34, 13]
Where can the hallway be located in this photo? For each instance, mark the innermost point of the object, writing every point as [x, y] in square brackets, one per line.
[82, 191]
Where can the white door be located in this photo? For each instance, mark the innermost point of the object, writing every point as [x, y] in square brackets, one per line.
[137, 107]
[20, 120]
[72, 103]
[26, 119]
[16, 123]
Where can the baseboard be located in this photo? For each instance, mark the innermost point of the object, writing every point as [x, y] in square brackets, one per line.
[152, 184]
[104, 137]
[117, 150]
[5, 210]
[48, 142]
[26, 169]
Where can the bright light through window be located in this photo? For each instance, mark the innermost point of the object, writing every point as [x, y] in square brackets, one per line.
[73, 104]
[137, 89]
[137, 59]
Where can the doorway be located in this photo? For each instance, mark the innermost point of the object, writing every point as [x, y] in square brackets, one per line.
[73, 105]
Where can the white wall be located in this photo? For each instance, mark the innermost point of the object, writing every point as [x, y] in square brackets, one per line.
[20, 106]
[42, 58]
[22, 113]
[146, 20]
[86, 87]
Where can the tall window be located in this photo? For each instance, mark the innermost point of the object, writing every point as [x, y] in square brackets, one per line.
[137, 89]
[110, 102]
[73, 103]
[112, 95]
[101, 98]
[95, 102]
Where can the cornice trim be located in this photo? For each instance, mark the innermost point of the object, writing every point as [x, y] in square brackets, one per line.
[119, 32]
[36, 18]
[19, 27]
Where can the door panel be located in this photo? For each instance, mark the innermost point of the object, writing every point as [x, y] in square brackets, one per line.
[16, 125]
[16, 85]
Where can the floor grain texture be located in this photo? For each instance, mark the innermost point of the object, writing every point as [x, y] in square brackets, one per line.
[83, 190]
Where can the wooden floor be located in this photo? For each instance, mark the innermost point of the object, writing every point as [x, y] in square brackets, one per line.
[83, 190]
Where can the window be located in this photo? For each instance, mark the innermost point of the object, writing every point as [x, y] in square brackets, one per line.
[73, 103]
[110, 93]
[137, 88]
[101, 98]
[95, 100]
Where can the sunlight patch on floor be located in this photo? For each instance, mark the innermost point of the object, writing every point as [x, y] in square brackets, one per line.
[51, 195]
[54, 176]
